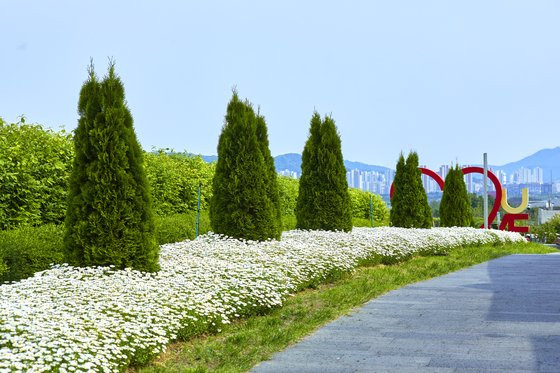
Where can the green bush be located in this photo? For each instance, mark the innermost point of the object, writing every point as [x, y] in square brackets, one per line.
[359, 200]
[180, 227]
[109, 219]
[174, 179]
[26, 250]
[361, 222]
[3, 268]
[289, 222]
[34, 169]
[323, 200]
[288, 192]
[241, 206]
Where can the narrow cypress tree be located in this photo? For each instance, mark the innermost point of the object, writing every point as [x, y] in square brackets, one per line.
[422, 212]
[323, 200]
[109, 219]
[241, 206]
[271, 177]
[455, 208]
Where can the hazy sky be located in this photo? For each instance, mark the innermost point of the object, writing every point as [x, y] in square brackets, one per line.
[451, 79]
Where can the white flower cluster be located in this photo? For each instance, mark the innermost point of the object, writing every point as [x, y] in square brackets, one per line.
[100, 319]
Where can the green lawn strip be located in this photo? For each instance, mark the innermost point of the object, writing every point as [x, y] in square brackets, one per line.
[246, 342]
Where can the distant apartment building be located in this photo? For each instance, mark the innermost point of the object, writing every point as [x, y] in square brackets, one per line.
[527, 176]
[370, 181]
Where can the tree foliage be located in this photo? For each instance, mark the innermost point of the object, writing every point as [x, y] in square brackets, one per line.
[323, 201]
[455, 207]
[241, 204]
[109, 218]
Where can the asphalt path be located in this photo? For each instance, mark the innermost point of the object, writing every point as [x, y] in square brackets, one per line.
[499, 316]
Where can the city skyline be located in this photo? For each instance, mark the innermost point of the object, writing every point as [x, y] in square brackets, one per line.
[380, 182]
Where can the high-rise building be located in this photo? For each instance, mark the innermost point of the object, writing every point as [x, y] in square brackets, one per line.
[538, 175]
[502, 176]
[443, 171]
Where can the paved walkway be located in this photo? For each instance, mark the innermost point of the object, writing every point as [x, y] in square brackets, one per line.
[502, 315]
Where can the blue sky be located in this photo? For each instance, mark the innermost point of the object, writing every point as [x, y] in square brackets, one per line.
[450, 79]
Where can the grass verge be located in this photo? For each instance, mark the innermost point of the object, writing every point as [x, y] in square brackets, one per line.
[245, 343]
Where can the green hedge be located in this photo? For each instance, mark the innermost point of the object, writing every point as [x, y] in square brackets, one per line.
[34, 168]
[26, 250]
[35, 164]
[360, 208]
[180, 227]
[288, 189]
[174, 180]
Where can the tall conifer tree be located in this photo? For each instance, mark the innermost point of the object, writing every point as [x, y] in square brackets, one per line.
[324, 201]
[455, 207]
[422, 212]
[400, 214]
[109, 219]
[409, 205]
[241, 206]
[271, 176]
[309, 181]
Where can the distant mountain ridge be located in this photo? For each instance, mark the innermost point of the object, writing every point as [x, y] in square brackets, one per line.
[292, 162]
[547, 159]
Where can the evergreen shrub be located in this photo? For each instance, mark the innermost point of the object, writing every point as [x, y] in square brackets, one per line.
[455, 207]
[323, 200]
[243, 203]
[409, 205]
[109, 219]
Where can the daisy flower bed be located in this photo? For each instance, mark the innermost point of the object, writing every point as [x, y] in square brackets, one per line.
[101, 319]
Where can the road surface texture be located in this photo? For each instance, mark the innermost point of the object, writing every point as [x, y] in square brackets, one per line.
[499, 316]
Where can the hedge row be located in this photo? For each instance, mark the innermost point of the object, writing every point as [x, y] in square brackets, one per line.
[26, 250]
[34, 168]
[35, 164]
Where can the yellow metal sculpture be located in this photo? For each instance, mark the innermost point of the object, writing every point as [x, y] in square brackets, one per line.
[521, 207]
